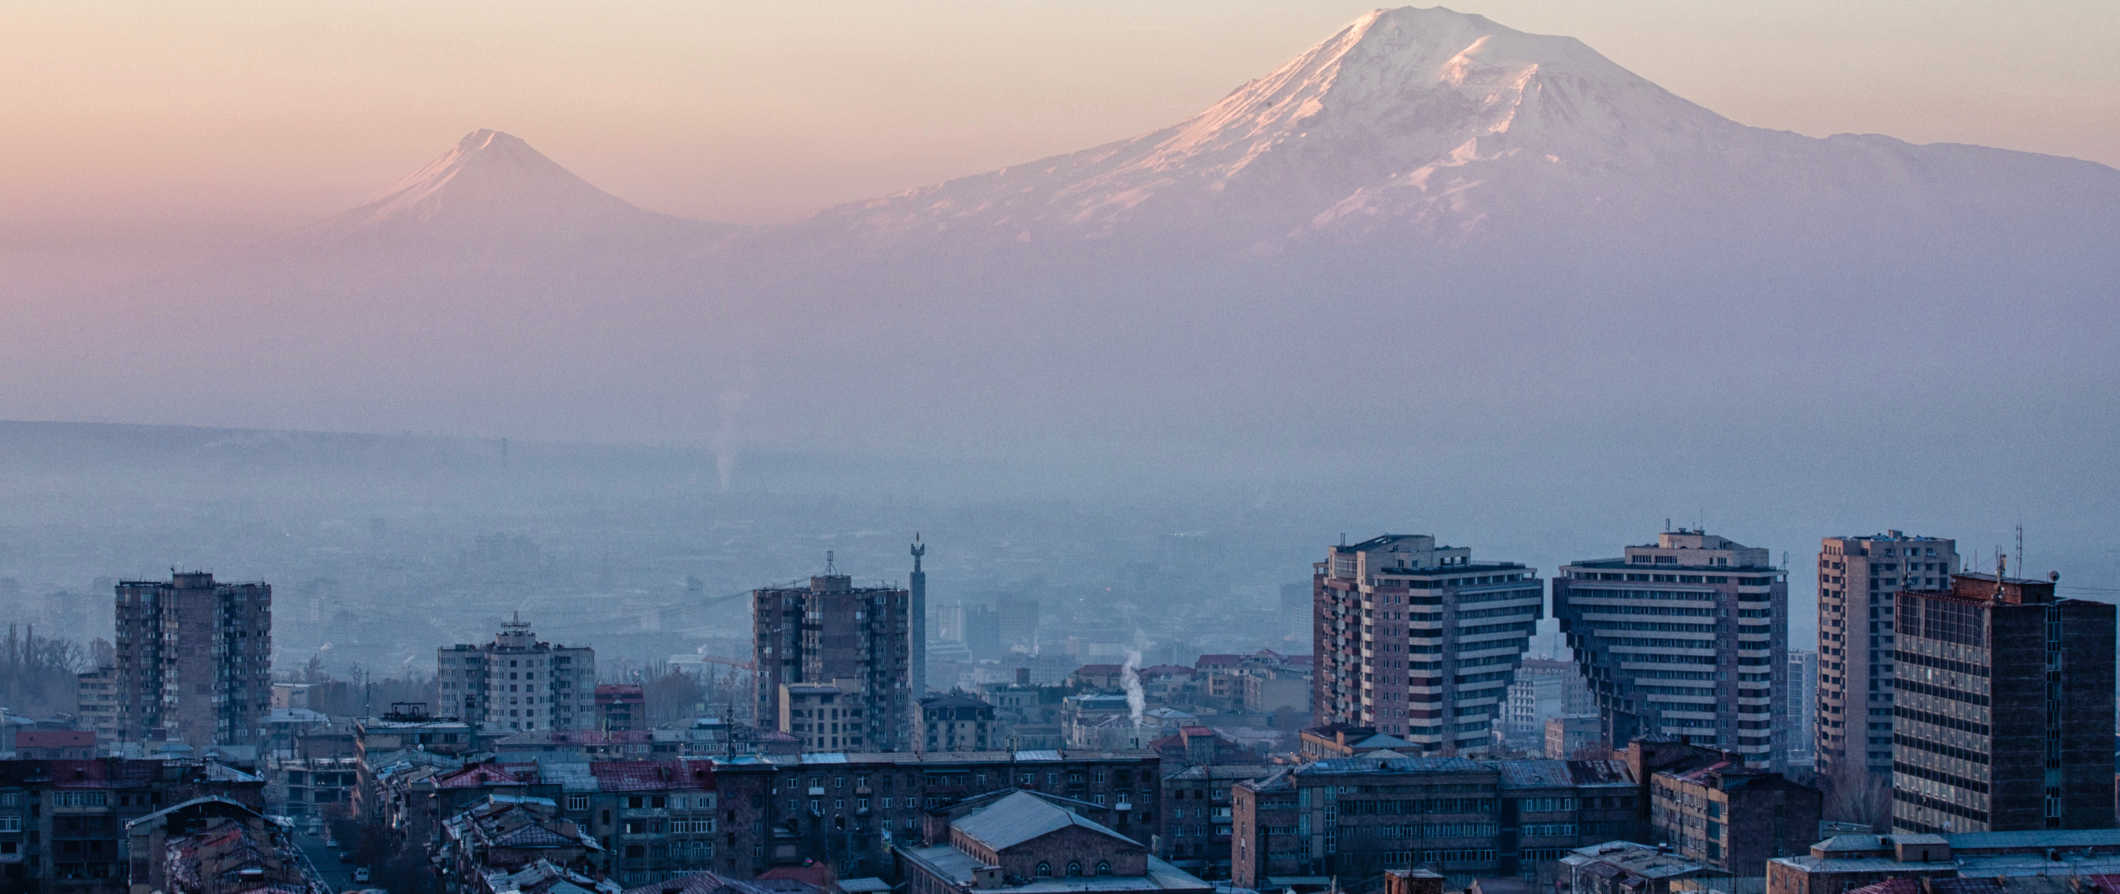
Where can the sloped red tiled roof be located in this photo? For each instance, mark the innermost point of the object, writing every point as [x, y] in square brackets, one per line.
[810, 872]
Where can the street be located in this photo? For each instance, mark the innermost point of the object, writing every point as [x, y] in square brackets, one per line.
[336, 874]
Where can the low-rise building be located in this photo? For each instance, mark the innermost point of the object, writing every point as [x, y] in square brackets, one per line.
[1356, 817]
[1732, 817]
[1844, 863]
[1571, 734]
[1627, 867]
[54, 744]
[825, 716]
[1026, 843]
[509, 832]
[300, 788]
[62, 822]
[621, 706]
[953, 721]
[213, 844]
[1198, 816]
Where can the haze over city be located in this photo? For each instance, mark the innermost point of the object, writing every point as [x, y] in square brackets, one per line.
[1206, 400]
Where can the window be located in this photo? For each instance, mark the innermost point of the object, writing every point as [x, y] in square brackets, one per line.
[1104, 867]
[1045, 870]
[577, 803]
[1074, 868]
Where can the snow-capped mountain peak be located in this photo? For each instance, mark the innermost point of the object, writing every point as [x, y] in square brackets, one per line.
[1386, 116]
[492, 184]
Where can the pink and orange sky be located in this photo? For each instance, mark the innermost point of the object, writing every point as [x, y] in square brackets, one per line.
[131, 117]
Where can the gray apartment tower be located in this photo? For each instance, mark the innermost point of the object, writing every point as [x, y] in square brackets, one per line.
[2003, 709]
[855, 639]
[194, 660]
[1858, 578]
[1684, 638]
[1418, 641]
[517, 683]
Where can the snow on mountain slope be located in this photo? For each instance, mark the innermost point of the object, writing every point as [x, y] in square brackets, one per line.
[493, 185]
[1430, 121]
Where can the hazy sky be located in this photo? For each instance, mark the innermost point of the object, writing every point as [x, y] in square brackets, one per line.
[133, 116]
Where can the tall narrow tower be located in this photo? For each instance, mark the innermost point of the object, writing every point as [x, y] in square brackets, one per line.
[918, 629]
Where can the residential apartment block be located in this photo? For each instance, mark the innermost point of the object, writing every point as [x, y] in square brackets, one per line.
[517, 682]
[1683, 638]
[856, 639]
[1733, 817]
[1858, 578]
[1418, 641]
[2003, 709]
[63, 822]
[1544, 688]
[954, 721]
[194, 660]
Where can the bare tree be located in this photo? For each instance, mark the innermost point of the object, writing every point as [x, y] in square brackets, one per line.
[672, 695]
[37, 672]
[1855, 795]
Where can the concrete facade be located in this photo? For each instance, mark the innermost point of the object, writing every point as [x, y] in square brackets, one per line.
[1418, 641]
[2004, 709]
[518, 682]
[1357, 817]
[1683, 638]
[194, 660]
[1857, 577]
[954, 721]
[856, 638]
[1731, 817]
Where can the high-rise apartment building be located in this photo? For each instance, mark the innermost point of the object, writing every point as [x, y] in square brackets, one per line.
[1418, 641]
[194, 660]
[1801, 707]
[518, 682]
[1857, 580]
[832, 632]
[2002, 710]
[1683, 638]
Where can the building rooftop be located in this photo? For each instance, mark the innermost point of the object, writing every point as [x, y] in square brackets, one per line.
[957, 866]
[1642, 860]
[1467, 568]
[1023, 816]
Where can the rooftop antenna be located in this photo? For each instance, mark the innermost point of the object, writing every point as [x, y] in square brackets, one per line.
[829, 567]
[2020, 547]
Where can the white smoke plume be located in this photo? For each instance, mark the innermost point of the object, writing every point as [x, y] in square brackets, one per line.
[732, 400]
[1130, 677]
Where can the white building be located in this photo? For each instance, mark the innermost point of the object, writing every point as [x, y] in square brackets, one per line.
[517, 682]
